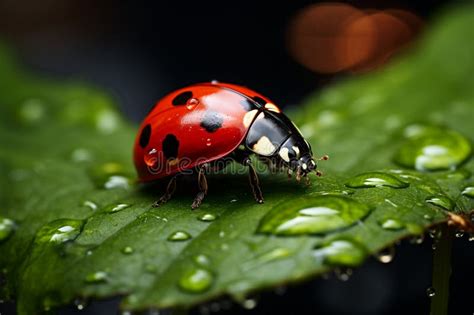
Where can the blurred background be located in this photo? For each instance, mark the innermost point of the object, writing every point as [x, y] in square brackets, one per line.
[138, 51]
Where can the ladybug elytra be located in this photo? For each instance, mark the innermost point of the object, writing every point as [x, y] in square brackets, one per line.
[194, 128]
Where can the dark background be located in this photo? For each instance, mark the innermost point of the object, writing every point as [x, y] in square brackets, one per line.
[139, 51]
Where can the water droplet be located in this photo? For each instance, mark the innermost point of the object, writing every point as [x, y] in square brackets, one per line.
[32, 111]
[81, 155]
[335, 193]
[7, 227]
[117, 181]
[430, 148]
[468, 192]
[90, 204]
[224, 247]
[107, 121]
[435, 233]
[459, 234]
[59, 231]
[249, 304]
[343, 274]
[430, 292]
[97, 277]
[207, 217]
[310, 215]
[202, 260]
[417, 239]
[342, 252]
[110, 175]
[386, 255]
[127, 250]
[376, 179]
[208, 142]
[196, 280]
[151, 158]
[80, 304]
[441, 201]
[179, 236]
[391, 224]
[192, 103]
[116, 208]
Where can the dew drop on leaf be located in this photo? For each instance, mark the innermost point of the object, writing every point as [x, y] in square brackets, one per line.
[202, 260]
[376, 179]
[386, 255]
[7, 227]
[97, 277]
[90, 204]
[341, 252]
[391, 224]
[312, 215]
[117, 181]
[127, 250]
[429, 148]
[441, 201]
[32, 111]
[59, 231]
[196, 280]
[179, 236]
[116, 208]
[207, 217]
[468, 192]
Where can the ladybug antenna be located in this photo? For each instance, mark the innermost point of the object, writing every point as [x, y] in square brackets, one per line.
[325, 157]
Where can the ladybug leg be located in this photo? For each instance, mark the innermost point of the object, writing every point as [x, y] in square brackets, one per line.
[170, 189]
[202, 182]
[254, 182]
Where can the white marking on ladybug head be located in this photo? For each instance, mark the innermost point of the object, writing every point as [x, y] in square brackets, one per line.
[284, 154]
[272, 107]
[297, 151]
[304, 166]
[313, 162]
[264, 146]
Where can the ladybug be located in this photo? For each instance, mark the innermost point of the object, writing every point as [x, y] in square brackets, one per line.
[206, 125]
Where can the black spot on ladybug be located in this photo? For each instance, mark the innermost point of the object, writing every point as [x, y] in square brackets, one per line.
[170, 147]
[182, 98]
[259, 100]
[211, 121]
[145, 136]
[248, 105]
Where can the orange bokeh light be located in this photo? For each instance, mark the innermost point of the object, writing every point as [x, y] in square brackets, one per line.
[332, 37]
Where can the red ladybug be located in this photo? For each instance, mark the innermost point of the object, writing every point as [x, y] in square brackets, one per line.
[206, 125]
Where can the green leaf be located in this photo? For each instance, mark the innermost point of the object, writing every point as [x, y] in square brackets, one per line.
[73, 223]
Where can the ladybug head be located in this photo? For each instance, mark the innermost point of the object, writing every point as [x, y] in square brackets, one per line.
[296, 154]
